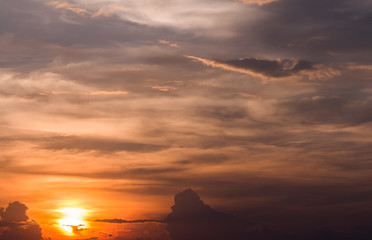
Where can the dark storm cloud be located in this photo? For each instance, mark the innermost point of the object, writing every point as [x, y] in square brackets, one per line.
[319, 29]
[104, 145]
[272, 68]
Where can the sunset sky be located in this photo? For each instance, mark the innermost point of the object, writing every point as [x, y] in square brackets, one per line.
[108, 108]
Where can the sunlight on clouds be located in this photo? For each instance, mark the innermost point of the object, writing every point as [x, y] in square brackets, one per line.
[109, 107]
[175, 13]
[259, 2]
[215, 64]
[81, 11]
[73, 220]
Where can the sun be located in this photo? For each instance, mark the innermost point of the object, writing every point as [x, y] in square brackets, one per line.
[73, 220]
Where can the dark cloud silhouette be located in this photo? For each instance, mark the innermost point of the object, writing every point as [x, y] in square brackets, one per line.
[130, 221]
[272, 68]
[31, 231]
[92, 238]
[15, 212]
[192, 219]
[15, 224]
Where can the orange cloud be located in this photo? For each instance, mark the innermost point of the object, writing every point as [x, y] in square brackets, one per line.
[215, 64]
[171, 44]
[274, 69]
[85, 93]
[81, 11]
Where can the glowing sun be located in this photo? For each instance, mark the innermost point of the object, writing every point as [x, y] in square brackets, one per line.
[73, 220]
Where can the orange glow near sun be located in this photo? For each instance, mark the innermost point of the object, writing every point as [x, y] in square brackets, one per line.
[73, 220]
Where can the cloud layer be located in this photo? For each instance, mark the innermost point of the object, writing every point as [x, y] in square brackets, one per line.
[263, 107]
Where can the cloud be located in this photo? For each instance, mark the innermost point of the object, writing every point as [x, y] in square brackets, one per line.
[313, 29]
[129, 221]
[259, 2]
[124, 172]
[16, 224]
[272, 68]
[104, 145]
[331, 109]
[192, 219]
[216, 64]
[31, 231]
[208, 159]
[15, 212]
[268, 69]
[41, 24]
[91, 238]
[81, 11]
[108, 103]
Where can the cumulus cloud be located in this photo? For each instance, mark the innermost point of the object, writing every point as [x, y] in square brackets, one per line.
[16, 224]
[15, 212]
[192, 219]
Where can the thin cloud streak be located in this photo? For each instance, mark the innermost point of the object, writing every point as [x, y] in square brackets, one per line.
[120, 221]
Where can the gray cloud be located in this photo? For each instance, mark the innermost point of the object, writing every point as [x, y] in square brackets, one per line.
[272, 68]
[323, 109]
[104, 145]
[44, 22]
[280, 151]
[317, 29]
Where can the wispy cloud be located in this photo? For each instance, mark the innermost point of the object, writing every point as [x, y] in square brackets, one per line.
[259, 2]
[78, 10]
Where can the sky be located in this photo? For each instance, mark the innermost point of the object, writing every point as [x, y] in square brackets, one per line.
[108, 108]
